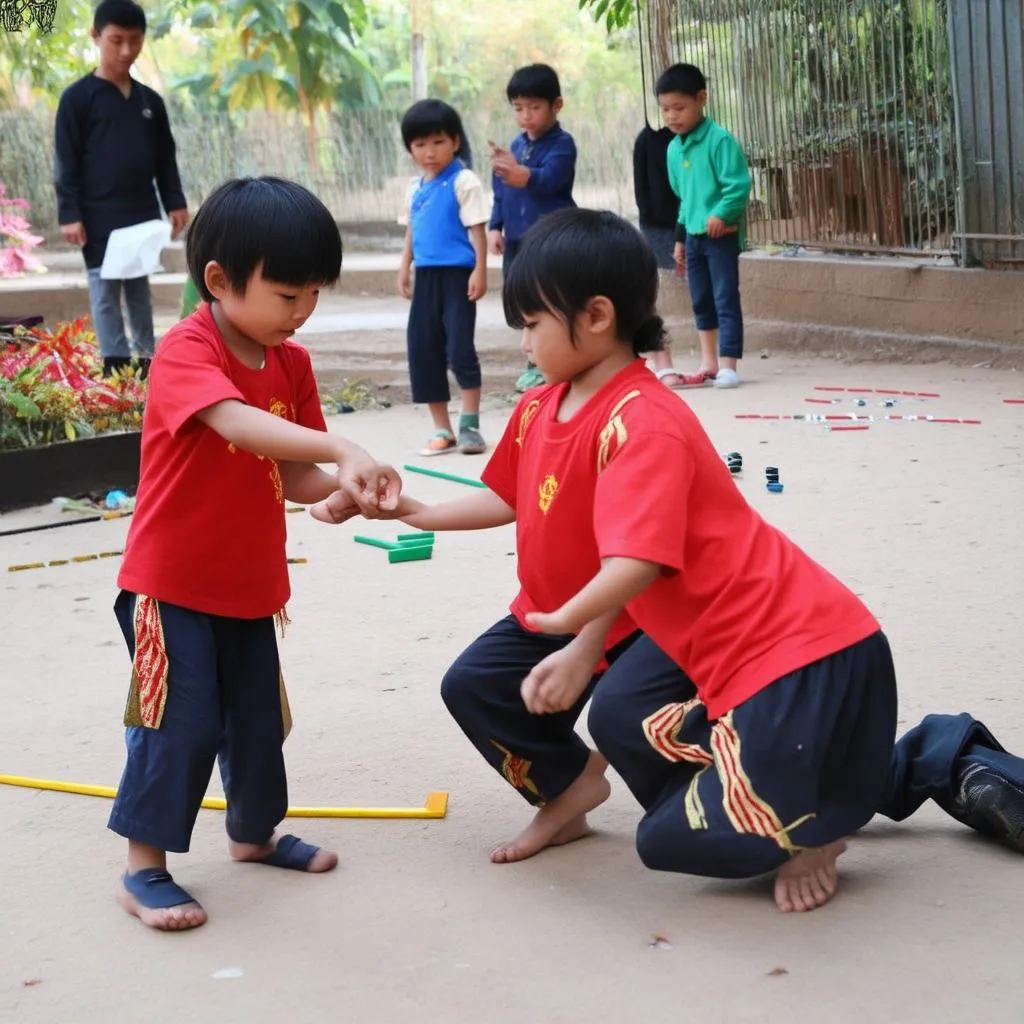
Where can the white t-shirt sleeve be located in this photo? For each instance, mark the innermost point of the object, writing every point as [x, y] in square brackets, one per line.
[403, 217]
[473, 205]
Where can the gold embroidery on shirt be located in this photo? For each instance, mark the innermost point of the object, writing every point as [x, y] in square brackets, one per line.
[613, 431]
[525, 420]
[548, 490]
[279, 409]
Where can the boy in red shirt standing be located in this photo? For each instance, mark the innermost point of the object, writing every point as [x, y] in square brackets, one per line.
[233, 427]
[755, 718]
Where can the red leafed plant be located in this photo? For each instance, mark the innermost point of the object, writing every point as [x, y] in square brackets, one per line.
[51, 388]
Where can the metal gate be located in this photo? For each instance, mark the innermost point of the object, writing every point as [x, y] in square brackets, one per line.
[987, 44]
[845, 109]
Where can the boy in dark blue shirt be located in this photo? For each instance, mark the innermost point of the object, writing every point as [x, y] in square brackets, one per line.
[446, 240]
[535, 175]
[113, 139]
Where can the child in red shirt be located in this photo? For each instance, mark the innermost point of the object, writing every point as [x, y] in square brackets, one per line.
[754, 719]
[233, 427]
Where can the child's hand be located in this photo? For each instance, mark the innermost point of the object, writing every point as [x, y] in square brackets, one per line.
[679, 255]
[477, 284]
[559, 681]
[717, 227]
[511, 172]
[375, 488]
[495, 243]
[335, 509]
[405, 282]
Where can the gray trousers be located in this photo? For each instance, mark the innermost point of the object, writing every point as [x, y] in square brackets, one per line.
[108, 320]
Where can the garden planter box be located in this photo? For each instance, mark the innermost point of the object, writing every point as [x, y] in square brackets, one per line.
[35, 476]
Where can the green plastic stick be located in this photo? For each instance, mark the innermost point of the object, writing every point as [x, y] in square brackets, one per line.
[450, 477]
[410, 553]
[409, 538]
[416, 542]
[375, 543]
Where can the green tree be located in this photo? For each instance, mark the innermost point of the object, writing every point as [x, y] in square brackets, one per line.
[36, 64]
[302, 55]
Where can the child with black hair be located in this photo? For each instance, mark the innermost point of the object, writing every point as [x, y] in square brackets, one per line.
[708, 172]
[754, 719]
[535, 175]
[112, 141]
[233, 428]
[658, 208]
[445, 213]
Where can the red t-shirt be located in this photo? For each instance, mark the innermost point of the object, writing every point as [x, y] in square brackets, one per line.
[739, 605]
[208, 531]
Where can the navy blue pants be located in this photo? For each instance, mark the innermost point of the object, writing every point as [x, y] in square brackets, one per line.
[803, 762]
[663, 242]
[540, 755]
[713, 276]
[442, 326]
[223, 701]
[808, 760]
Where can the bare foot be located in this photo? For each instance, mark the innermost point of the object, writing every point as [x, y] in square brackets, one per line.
[167, 919]
[810, 879]
[562, 821]
[323, 860]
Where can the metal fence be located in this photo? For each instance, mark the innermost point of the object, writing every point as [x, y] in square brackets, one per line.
[845, 109]
[987, 42]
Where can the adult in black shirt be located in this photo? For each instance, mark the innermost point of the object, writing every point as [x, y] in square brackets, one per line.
[658, 206]
[113, 140]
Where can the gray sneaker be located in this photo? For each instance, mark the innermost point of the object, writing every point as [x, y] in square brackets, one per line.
[471, 442]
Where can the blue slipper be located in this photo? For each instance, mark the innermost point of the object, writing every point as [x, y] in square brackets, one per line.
[290, 852]
[154, 889]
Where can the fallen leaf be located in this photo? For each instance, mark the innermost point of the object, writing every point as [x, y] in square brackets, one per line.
[775, 972]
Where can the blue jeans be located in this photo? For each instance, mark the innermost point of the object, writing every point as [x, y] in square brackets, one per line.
[713, 274]
[107, 319]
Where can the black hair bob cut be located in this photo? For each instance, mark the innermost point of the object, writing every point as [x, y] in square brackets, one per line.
[686, 79]
[427, 117]
[273, 222]
[121, 13]
[569, 257]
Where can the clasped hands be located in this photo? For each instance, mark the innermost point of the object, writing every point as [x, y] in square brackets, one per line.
[365, 488]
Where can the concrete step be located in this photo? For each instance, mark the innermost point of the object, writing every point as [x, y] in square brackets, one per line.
[62, 293]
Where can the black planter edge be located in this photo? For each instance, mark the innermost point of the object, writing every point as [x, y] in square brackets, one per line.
[35, 476]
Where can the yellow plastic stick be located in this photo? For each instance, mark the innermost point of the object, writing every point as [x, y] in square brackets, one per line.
[435, 807]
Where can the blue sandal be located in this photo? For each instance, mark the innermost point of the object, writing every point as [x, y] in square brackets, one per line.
[290, 852]
[154, 889]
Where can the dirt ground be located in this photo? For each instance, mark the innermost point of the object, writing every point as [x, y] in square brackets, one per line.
[923, 519]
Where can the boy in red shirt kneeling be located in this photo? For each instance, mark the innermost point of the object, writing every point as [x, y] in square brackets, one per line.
[754, 718]
[233, 427]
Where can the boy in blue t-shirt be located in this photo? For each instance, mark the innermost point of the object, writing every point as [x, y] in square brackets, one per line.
[446, 240]
[535, 175]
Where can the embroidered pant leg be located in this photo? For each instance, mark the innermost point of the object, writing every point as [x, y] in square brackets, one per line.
[168, 769]
[644, 683]
[539, 755]
[801, 763]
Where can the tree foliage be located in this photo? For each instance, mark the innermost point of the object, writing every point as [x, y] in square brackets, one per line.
[614, 13]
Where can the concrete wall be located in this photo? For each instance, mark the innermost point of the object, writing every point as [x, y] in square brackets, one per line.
[826, 302]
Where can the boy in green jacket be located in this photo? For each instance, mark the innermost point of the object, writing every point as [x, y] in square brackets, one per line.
[709, 174]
